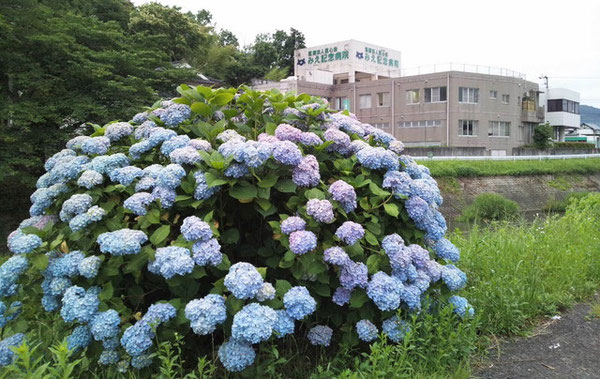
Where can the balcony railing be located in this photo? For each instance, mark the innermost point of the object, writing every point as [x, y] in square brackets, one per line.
[477, 69]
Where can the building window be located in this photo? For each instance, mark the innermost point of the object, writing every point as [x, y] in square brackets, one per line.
[505, 99]
[467, 127]
[413, 96]
[499, 129]
[344, 81]
[365, 101]
[493, 95]
[419, 124]
[383, 99]
[382, 125]
[435, 94]
[342, 103]
[468, 95]
[563, 105]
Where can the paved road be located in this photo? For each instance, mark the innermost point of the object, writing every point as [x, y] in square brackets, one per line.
[564, 348]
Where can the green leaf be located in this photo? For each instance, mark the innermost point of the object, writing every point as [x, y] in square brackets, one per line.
[314, 194]
[270, 128]
[268, 181]
[221, 99]
[316, 267]
[243, 191]
[230, 236]
[213, 180]
[378, 191]
[153, 216]
[282, 286]
[225, 263]
[40, 261]
[286, 186]
[136, 264]
[371, 239]
[160, 235]
[217, 160]
[373, 263]
[321, 289]
[201, 108]
[358, 299]
[264, 204]
[391, 209]
[107, 291]
[262, 271]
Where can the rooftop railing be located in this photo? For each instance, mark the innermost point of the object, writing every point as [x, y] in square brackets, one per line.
[477, 69]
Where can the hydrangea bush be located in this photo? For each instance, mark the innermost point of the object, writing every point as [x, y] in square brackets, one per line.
[233, 216]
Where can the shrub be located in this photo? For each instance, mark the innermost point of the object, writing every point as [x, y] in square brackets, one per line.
[231, 216]
[490, 207]
[554, 205]
[542, 135]
[573, 145]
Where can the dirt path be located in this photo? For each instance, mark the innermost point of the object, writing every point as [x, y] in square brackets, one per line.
[568, 347]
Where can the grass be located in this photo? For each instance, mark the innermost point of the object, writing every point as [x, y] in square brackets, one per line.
[518, 273]
[460, 168]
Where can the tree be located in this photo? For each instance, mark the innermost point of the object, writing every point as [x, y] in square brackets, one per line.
[227, 38]
[542, 135]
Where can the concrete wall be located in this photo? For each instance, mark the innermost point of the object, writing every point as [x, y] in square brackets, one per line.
[559, 151]
[442, 151]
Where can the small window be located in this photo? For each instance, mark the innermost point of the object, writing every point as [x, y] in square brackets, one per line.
[341, 103]
[344, 81]
[505, 99]
[413, 96]
[493, 94]
[468, 95]
[499, 129]
[365, 101]
[467, 127]
[435, 94]
[382, 125]
[383, 99]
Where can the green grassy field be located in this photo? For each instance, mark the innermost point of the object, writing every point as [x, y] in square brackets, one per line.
[461, 168]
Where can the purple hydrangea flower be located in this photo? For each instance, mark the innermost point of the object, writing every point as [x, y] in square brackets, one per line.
[286, 132]
[302, 241]
[366, 330]
[320, 210]
[170, 261]
[287, 153]
[320, 335]
[336, 256]
[298, 303]
[354, 275]
[194, 229]
[292, 224]
[350, 232]
[243, 280]
[344, 194]
[306, 174]
[207, 253]
[341, 296]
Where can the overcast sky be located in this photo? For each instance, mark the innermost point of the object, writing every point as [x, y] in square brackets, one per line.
[560, 39]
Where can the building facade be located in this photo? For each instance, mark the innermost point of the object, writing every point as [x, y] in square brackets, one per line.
[562, 111]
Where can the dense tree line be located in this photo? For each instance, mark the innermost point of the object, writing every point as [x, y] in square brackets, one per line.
[66, 63]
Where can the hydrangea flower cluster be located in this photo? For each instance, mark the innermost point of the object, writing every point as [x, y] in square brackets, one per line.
[148, 197]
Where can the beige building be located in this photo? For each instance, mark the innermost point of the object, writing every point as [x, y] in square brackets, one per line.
[494, 109]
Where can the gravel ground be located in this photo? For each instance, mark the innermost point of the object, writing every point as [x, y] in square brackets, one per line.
[568, 347]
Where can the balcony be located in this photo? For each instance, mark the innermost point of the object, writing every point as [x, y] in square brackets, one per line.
[530, 112]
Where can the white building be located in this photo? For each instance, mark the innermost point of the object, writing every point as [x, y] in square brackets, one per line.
[588, 132]
[562, 111]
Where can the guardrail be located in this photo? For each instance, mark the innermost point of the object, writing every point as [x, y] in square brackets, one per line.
[509, 157]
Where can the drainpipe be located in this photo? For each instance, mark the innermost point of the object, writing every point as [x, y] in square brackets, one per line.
[393, 110]
[448, 110]
[354, 98]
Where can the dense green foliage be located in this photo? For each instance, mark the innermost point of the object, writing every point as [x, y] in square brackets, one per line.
[542, 135]
[490, 207]
[458, 168]
[66, 63]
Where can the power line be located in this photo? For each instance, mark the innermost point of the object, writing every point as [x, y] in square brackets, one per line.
[575, 77]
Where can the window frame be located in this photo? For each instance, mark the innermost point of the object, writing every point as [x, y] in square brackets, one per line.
[380, 99]
[409, 98]
[365, 96]
[474, 126]
[501, 127]
[495, 94]
[472, 93]
[439, 94]
[507, 98]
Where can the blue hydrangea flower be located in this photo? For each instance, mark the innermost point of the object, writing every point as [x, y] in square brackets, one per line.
[243, 280]
[427, 190]
[125, 175]
[320, 335]
[395, 329]
[80, 338]
[137, 149]
[175, 114]
[207, 253]
[108, 357]
[377, 158]
[10, 271]
[416, 208]
[445, 249]
[336, 256]
[236, 355]
[122, 242]
[75, 205]
[302, 241]
[111, 343]
[174, 143]
[236, 170]
[367, 331]
[170, 261]
[95, 145]
[159, 135]
[76, 142]
[79, 305]
[200, 144]
[344, 194]
[138, 202]
[287, 153]
[22, 243]
[411, 295]
[105, 325]
[453, 277]
[341, 141]
[66, 265]
[50, 303]
[165, 195]
[137, 339]
[284, 324]
[396, 146]
[350, 232]
[298, 303]
[354, 275]
[310, 139]
[341, 296]
[58, 286]
[194, 229]
[461, 306]
[141, 361]
[88, 267]
[392, 243]
[253, 323]
[286, 132]
[143, 131]
[90, 179]
[385, 291]
[206, 313]
[320, 210]
[118, 130]
[159, 313]
[306, 174]
[140, 117]
[105, 164]
[398, 182]
[203, 191]
[7, 356]
[292, 224]
[146, 183]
